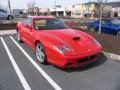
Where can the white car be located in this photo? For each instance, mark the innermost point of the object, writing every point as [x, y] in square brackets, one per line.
[5, 15]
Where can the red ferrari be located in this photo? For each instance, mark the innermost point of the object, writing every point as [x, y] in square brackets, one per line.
[56, 43]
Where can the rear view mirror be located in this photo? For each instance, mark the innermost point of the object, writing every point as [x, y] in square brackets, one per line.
[26, 26]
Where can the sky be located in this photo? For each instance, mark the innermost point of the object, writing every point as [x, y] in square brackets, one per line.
[22, 4]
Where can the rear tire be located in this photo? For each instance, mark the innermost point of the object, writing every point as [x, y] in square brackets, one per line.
[92, 28]
[40, 53]
[10, 17]
[19, 37]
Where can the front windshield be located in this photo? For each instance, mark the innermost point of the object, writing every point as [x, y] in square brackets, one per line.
[49, 24]
[115, 22]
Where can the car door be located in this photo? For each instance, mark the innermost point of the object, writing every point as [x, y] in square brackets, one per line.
[105, 26]
[96, 24]
[0, 14]
[3, 14]
[28, 33]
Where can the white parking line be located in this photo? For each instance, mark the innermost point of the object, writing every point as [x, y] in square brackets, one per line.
[19, 73]
[47, 77]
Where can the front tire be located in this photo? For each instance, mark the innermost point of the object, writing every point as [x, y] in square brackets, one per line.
[92, 28]
[40, 53]
[118, 34]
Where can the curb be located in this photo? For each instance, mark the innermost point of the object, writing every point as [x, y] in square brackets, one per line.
[4, 33]
[112, 56]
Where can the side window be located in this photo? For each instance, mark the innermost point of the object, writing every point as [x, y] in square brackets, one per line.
[24, 21]
[107, 22]
[97, 21]
[28, 21]
[103, 22]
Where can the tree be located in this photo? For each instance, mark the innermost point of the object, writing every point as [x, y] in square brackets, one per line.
[102, 4]
[3, 7]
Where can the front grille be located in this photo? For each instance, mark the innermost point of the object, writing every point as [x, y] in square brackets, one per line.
[86, 59]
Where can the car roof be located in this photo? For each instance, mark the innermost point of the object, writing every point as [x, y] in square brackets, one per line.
[34, 17]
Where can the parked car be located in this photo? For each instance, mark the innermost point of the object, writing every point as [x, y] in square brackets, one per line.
[110, 26]
[56, 43]
[5, 15]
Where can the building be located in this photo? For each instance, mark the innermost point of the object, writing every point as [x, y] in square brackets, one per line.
[33, 11]
[68, 11]
[57, 11]
[90, 10]
[30, 11]
[85, 10]
[44, 11]
[18, 12]
[117, 10]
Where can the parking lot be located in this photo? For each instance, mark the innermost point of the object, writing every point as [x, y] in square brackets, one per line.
[20, 70]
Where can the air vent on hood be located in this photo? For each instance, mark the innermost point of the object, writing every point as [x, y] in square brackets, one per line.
[76, 38]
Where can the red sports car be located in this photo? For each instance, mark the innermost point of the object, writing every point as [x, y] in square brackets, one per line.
[56, 43]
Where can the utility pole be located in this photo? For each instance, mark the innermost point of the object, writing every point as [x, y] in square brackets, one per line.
[89, 11]
[101, 11]
[9, 6]
[55, 9]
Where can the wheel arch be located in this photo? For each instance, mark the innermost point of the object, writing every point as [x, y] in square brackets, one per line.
[36, 41]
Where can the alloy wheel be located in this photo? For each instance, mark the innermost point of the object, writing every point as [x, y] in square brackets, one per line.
[92, 28]
[18, 36]
[40, 53]
[118, 34]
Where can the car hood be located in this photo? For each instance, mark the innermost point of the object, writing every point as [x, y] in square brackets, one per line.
[78, 42]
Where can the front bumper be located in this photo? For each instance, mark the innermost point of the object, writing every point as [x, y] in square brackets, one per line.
[74, 61]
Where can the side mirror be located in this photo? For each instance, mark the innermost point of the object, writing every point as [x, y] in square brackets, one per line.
[69, 25]
[26, 26]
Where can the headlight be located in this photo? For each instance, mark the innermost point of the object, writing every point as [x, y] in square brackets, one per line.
[62, 48]
[96, 42]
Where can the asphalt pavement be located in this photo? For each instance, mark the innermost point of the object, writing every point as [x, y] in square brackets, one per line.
[19, 70]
